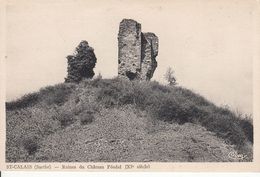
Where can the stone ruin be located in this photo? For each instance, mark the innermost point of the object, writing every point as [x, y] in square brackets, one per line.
[81, 64]
[137, 51]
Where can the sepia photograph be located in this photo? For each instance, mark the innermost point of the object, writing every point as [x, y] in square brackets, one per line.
[130, 81]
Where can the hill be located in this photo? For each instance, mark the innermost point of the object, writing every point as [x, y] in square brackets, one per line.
[111, 120]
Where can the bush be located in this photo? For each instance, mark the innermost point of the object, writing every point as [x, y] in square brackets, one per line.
[187, 94]
[122, 92]
[110, 92]
[108, 96]
[25, 101]
[169, 110]
[248, 129]
[30, 145]
[86, 117]
[65, 118]
[168, 107]
[57, 94]
[225, 127]
[160, 88]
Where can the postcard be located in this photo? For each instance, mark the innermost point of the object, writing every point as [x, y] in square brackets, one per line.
[128, 85]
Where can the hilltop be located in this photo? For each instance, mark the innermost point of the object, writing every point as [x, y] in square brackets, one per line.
[110, 120]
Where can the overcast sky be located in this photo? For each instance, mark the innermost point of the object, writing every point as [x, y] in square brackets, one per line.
[209, 43]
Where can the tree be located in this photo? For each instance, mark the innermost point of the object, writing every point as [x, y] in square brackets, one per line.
[169, 76]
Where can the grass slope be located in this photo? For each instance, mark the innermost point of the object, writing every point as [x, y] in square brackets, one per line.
[119, 120]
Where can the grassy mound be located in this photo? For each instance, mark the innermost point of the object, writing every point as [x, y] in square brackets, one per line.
[36, 120]
[176, 104]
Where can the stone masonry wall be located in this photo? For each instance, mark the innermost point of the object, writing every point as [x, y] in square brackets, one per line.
[129, 45]
[137, 51]
[149, 52]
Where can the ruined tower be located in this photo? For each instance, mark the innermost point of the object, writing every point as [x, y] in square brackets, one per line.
[137, 51]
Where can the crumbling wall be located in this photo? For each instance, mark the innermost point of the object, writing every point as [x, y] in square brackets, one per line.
[129, 45]
[81, 64]
[137, 51]
[149, 52]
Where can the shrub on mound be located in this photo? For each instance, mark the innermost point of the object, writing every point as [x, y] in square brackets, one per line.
[86, 117]
[23, 102]
[64, 117]
[248, 128]
[57, 94]
[225, 127]
[30, 145]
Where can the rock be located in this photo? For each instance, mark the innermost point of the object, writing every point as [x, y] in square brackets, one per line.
[137, 51]
[81, 64]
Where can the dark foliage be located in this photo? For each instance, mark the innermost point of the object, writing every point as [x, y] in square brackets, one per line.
[65, 118]
[81, 64]
[50, 95]
[30, 145]
[86, 117]
[57, 94]
[23, 102]
[247, 126]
